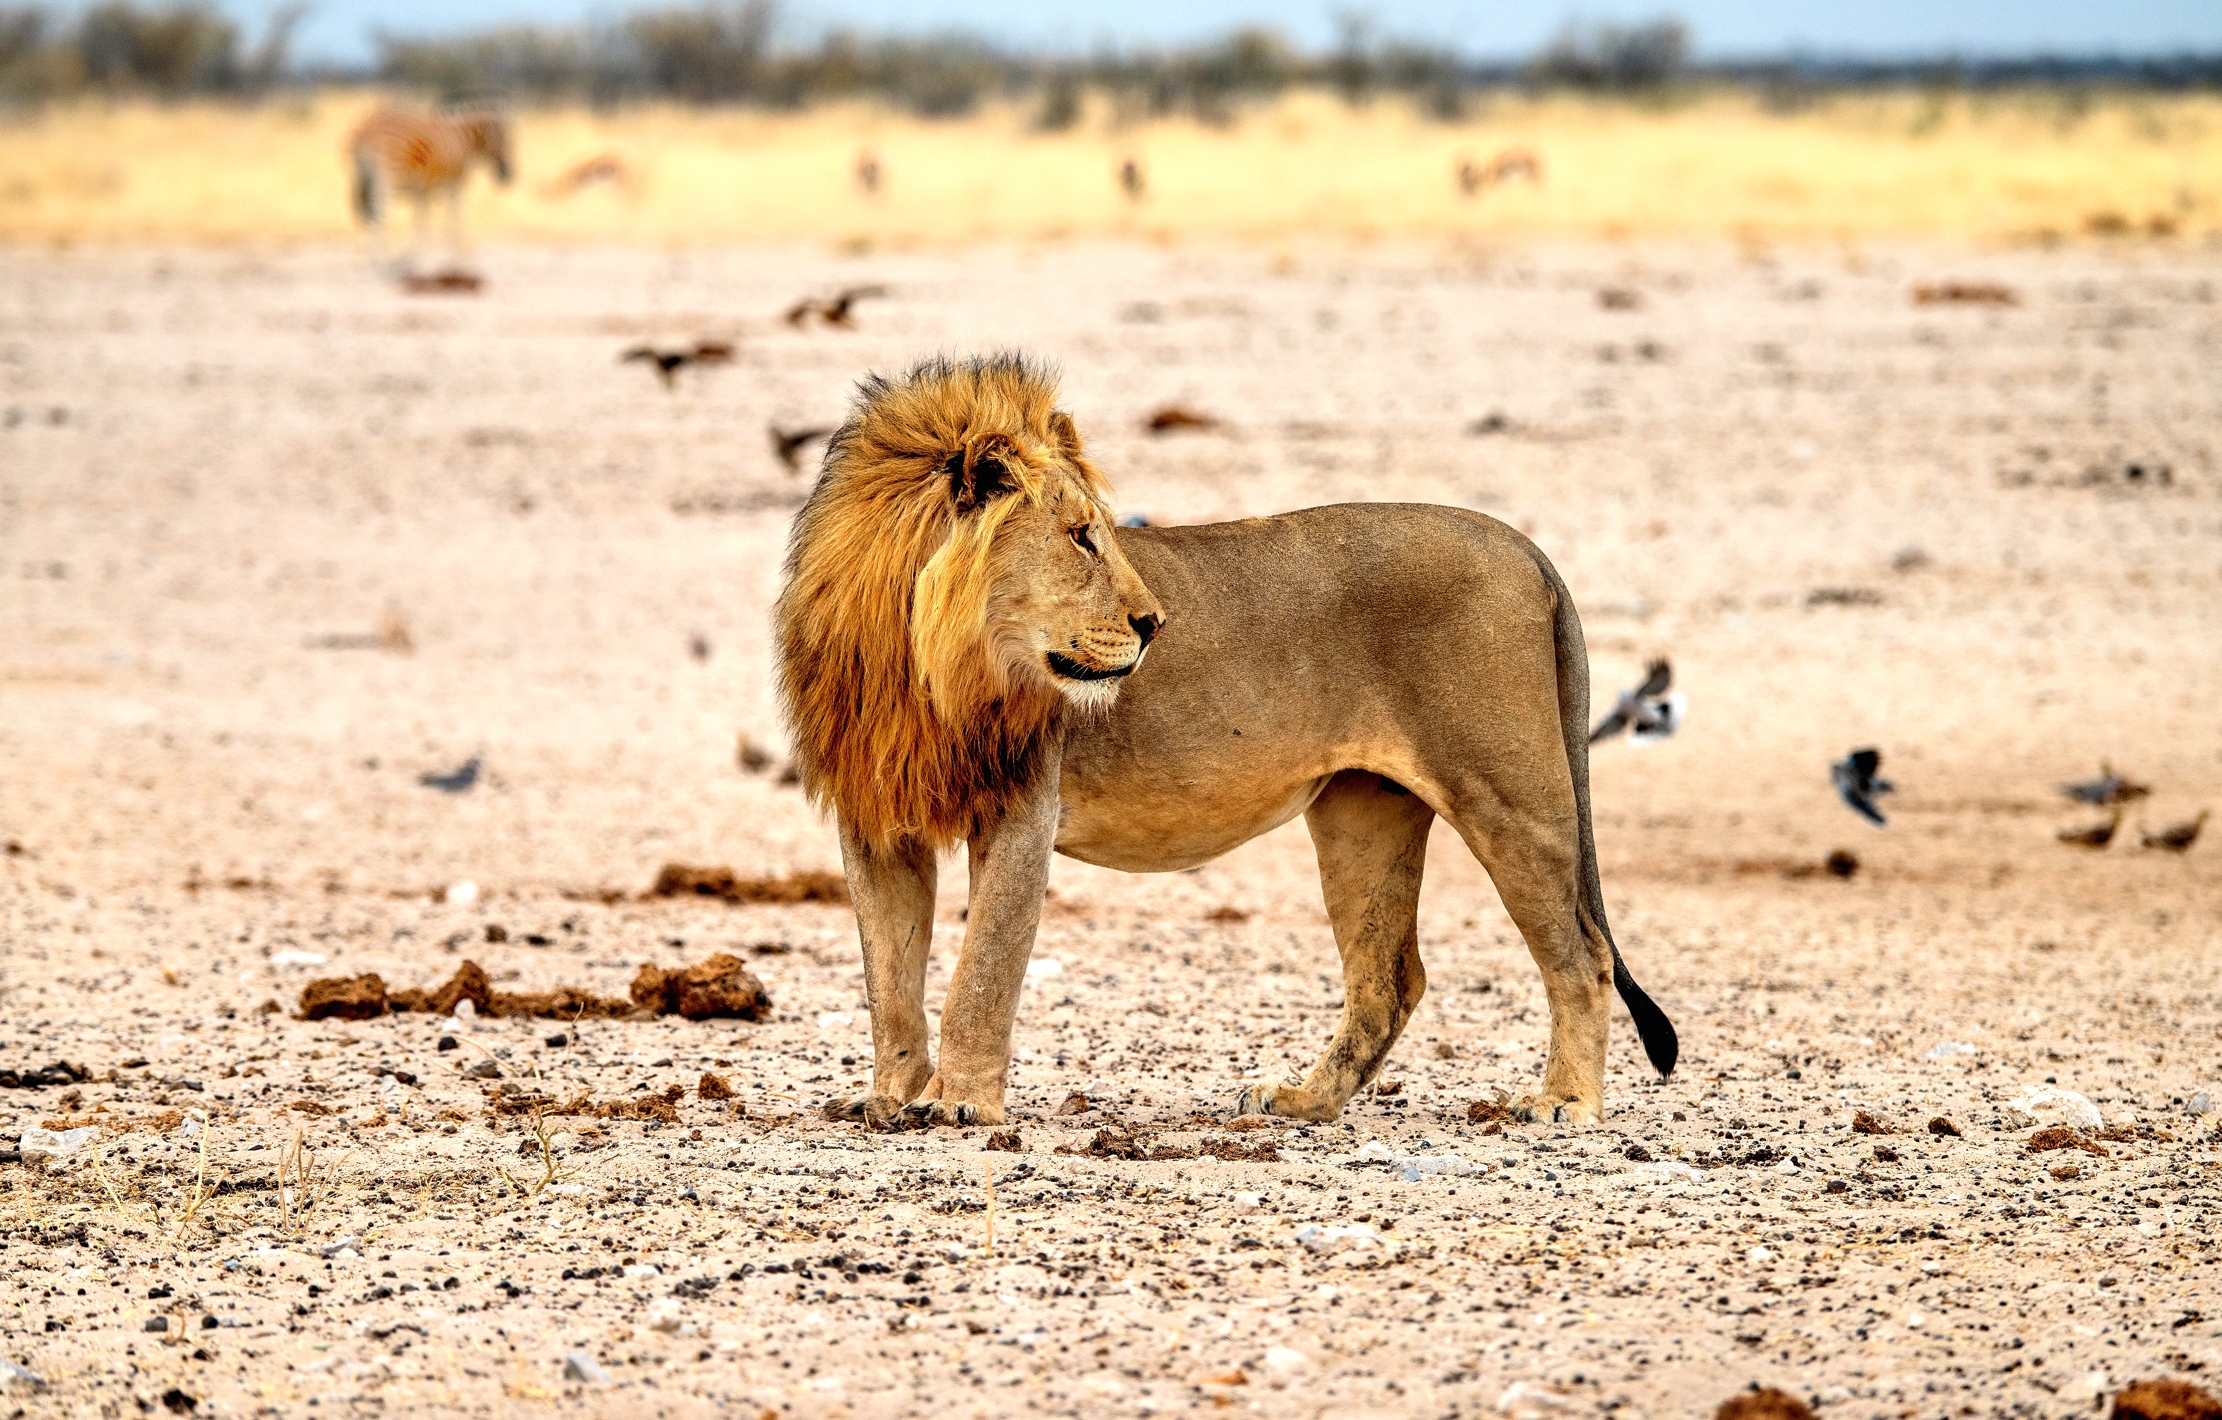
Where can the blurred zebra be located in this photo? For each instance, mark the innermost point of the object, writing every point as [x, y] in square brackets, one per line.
[422, 156]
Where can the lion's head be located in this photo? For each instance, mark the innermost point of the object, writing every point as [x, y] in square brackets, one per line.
[952, 588]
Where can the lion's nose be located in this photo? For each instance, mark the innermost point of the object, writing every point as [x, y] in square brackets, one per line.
[1145, 626]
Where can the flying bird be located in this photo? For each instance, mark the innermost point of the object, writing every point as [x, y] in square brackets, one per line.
[1857, 784]
[2098, 835]
[2177, 838]
[838, 311]
[789, 446]
[455, 782]
[2108, 788]
[667, 363]
[1648, 712]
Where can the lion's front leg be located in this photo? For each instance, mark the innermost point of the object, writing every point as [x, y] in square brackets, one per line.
[893, 889]
[1010, 871]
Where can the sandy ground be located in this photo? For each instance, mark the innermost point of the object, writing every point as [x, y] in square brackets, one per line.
[214, 460]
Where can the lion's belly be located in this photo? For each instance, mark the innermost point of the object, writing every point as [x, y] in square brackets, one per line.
[1151, 833]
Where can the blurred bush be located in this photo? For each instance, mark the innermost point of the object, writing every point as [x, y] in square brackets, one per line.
[728, 52]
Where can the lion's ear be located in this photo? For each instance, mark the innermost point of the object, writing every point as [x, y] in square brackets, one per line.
[978, 482]
[1066, 432]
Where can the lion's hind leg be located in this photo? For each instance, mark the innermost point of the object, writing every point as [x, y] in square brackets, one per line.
[1371, 836]
[893, 889]
[1528, 840]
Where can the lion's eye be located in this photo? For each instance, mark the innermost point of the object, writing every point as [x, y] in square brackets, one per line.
[1083, 538]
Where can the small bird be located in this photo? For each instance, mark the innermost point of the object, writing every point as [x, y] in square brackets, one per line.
[2108, 788]
[789, 446]
[1857, 785]
[838, 311]
[1647, 713]
[455, 782]
[2179, 837]
[1132, 180]
[2098, 835]
[667, 363]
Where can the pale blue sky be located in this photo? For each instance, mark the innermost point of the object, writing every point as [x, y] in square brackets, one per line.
[339, 30]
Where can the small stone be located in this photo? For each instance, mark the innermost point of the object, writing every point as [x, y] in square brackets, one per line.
[581, 1366]
[156, 1324]
[484, 1070]
[1948, 1050]
[664, 1316]
[1286, 1361]
[557, 1042]
[177, 1402]
[2049, 1104]
[448, 1043]
[1763, 1404]
[1075, 1103]
[20, 1380]
[348, 998]
[1760, 1256]
[1530, 1400]
[350, 1243]
[55, 1146]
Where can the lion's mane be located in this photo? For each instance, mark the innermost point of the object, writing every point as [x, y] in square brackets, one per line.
[901, 716]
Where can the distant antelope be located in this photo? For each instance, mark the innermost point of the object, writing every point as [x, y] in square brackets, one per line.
[1504, 167]
[422, 156]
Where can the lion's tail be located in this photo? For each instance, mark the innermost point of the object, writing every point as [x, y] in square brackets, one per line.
[1659, 1040]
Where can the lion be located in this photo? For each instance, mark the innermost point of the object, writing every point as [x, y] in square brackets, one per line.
[968, 651]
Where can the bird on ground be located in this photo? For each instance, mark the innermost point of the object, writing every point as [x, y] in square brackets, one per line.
[789, 446]
[838, 311]
[1648, 712]
[667, 363]
[456, 781]
[2108, 788]
[2098, 835]
[2177, 838]
[1857, 783]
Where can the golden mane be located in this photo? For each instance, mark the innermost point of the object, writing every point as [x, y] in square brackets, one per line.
[902, 718]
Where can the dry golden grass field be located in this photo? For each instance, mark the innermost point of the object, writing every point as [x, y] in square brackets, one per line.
[2016, 166]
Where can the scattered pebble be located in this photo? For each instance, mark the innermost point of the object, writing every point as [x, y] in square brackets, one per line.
[1950, 1049]
[581, 1366]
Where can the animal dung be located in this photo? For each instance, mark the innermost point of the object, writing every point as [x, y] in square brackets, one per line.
[680, 880]
[1865, 1123]
[1944, 1128]
[450, 281]
[721, 986]
[1840, 864]
[1965, 293]
[2060, 1136]
[1075, 1103]
[1763, 1404]
[1006, 1141]
[2165, 1399]
[1173, 417]
[712, 1087]
[712, 990]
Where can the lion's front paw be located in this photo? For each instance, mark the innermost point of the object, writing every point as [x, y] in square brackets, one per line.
[960, 1113]
[848, 1107]
[1289, 1102]
[1564, 1109]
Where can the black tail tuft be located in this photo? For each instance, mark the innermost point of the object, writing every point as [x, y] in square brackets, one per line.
[1659, 1040]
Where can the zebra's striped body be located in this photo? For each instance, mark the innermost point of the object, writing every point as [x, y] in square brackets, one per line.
[423, 156]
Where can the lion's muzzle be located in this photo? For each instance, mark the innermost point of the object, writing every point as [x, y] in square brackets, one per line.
[1070, 669]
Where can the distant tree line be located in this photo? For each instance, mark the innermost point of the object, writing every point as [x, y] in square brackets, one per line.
[729, 53]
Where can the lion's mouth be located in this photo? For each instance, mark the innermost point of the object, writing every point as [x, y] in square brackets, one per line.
[1071, 669]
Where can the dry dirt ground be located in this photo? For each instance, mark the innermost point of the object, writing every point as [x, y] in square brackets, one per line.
[215, 462]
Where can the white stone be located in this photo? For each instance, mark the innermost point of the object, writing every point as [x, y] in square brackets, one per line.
[640, 1270]
[1760, 1256]
[1041, 967]
[1326, 1242]
[833, 1020]
[291, 958]
[1248, 1202]
[1661, 1171]
[1527, 1400]
[581, 1366]
[1949, 1049]
[664, 1315]
[2049, 1104]
[461, 893]
[1287, 1361]
[55, 1146]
